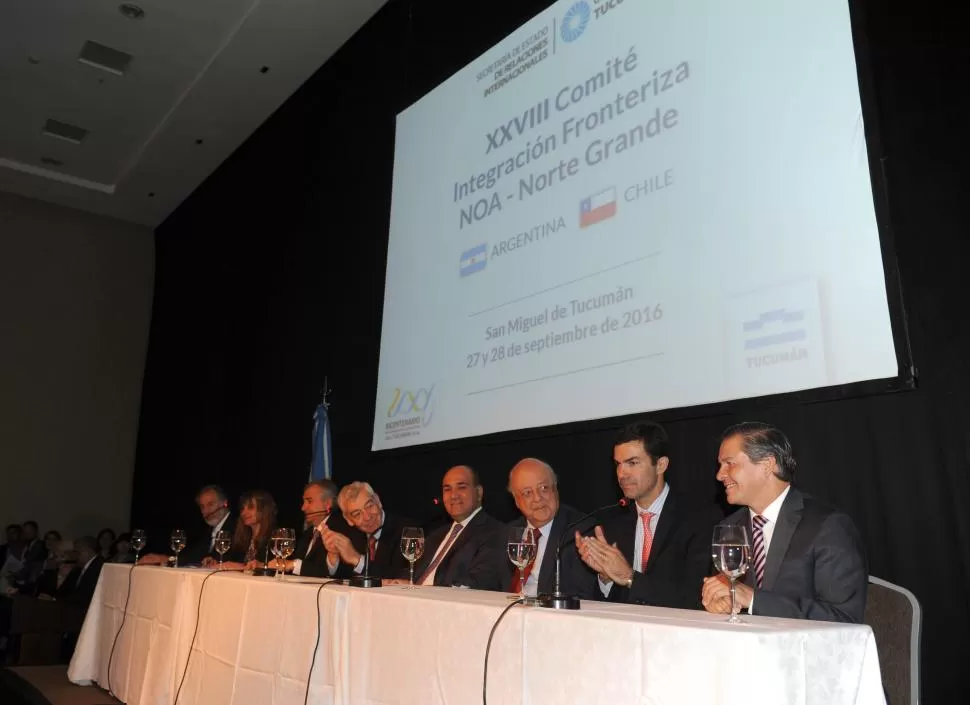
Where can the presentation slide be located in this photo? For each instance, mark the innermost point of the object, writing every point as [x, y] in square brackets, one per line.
[628, 206]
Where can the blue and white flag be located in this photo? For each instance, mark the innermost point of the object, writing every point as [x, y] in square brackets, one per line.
[321, 463]
[473, 260]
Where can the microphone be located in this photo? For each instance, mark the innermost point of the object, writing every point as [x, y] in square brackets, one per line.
[365, 579]
[557, 600]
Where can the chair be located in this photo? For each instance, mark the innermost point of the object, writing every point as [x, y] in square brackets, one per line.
[894, 614]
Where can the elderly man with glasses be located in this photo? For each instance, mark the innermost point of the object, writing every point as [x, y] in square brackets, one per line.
[533, 485]
[374, 533]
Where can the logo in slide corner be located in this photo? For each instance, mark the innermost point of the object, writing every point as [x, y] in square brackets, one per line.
[410, 411]
[473, 260]
[574, 22]
[779, 326]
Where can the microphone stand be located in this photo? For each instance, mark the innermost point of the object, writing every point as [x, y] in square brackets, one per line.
[559, 600]
[265, 570]
[365, 580]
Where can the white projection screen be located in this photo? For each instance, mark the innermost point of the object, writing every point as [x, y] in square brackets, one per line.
[629, 206]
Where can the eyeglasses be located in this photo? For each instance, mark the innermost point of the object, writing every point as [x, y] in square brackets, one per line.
[541, 490]
[358, 513]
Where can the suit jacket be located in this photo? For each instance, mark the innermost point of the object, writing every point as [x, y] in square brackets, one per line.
[575, 577]
[79, 589]
[476, 559]
[680, 556]
[816, 565]
[314, 563]
[388, 561]
[194, 552]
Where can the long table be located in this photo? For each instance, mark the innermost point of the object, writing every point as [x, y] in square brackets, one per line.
[254, 639]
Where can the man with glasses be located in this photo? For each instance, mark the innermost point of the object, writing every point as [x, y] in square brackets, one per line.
[375, 534]
[533, 485]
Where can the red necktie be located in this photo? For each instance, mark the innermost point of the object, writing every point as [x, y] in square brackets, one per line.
[518, 580]
[371, 546]
[647, 540]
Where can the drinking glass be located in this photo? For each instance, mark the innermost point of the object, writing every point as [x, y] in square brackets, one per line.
[276, 538]
[177, 544]
[138, 541]
[412, 548]
[731, 551]
[287, 544]
[221, 544]
[522, 551]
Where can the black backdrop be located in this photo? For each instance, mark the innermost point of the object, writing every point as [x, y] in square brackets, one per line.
[270, 277]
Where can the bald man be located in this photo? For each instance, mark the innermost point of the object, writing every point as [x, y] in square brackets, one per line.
[534, 486]
[470, 551]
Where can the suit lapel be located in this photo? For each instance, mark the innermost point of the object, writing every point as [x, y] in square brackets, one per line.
[626, 541]
[547, 571]
[788, 519]
[463, 538]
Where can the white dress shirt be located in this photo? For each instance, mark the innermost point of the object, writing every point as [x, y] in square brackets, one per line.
[655, 508]
[429, 580]
[770, 513]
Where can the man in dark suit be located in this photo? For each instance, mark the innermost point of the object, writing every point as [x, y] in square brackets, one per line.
[214, 507]
[807, 558]
[78, 587]
[658, 550]
[470, 551]
[373, 542]
[310, 555]
[534, 487]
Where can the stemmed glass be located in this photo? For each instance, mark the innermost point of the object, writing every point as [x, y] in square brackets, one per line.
[286, 543]
[221, 544]
[138, 541]
[522, 551]
[731, 550]
[177, 543]
[412, 548]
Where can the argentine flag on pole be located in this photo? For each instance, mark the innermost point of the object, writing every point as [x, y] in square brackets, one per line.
[321, 463]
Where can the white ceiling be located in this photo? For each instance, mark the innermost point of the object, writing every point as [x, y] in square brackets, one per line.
[195, 75]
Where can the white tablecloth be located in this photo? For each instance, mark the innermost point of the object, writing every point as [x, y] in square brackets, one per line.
[393, 646]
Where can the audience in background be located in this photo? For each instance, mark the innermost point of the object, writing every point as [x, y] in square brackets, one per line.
[106, 542]
[121, 552]
[12, 536]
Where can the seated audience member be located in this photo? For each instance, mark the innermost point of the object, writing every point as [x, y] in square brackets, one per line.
[533, 485]
[251, 540]
[122, 551]
[471, 550]
[33, 555]
[374, 532]
[807, 558]
[657, 550]
[106, 543]
[310, 555]
[214, 508]
[12, 544]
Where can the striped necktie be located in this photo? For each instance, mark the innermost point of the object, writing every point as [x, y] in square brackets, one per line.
[455, 530]
[760, 553]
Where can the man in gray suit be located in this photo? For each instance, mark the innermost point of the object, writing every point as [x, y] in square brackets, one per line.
[807, 559]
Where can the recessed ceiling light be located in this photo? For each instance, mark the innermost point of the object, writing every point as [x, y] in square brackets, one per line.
[50, 161]
[264, 69]
[131, 11]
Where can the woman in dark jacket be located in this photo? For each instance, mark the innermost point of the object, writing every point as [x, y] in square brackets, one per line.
[251, 542]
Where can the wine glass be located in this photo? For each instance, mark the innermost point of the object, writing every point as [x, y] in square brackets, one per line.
[177, 543]
[522, 551]
[277, 538]
[221, 544]
[412, 548]
[138, 541]
[286, 545]
[731, 550]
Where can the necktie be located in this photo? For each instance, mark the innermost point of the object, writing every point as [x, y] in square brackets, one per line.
[371, 546]
[313, 541]
[760, 554]
[455, 530]
[519, 580]
[645, 517]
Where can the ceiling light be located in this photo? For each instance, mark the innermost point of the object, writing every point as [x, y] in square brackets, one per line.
[131, 11]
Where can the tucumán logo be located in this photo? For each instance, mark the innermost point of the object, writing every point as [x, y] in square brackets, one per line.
[574, 21]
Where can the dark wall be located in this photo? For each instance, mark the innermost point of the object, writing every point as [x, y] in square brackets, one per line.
[270, 277]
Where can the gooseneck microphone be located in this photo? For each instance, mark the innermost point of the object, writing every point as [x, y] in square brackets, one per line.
[558, 600]
[365, 579]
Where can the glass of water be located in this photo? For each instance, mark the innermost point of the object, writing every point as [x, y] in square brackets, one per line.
[177, 544]
[222, 544]
[138, 541]
[522, 551]
[412, 548]
[731, 551]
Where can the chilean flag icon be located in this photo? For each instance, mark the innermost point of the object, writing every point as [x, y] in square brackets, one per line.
[597, 207]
